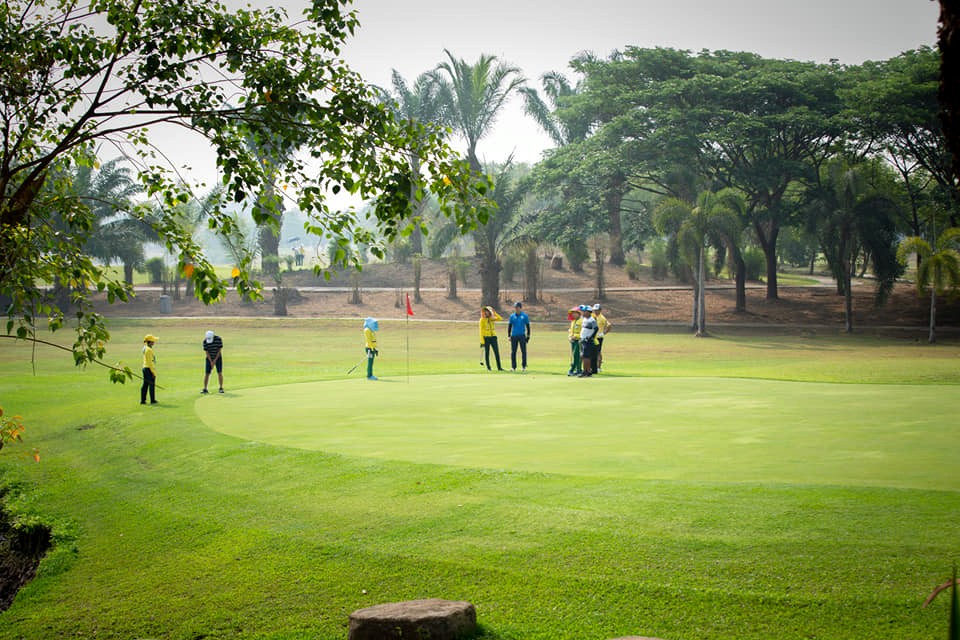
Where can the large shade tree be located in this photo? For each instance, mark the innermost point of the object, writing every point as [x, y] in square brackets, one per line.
[893, 108]
[735, 119]
[115, 73]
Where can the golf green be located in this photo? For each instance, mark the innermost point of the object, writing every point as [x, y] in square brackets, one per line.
[688, 429]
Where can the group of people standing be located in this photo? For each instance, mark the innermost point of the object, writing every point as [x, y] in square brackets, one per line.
[518, 331]
[588, 326]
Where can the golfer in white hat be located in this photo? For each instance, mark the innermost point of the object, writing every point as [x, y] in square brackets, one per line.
[213, 352]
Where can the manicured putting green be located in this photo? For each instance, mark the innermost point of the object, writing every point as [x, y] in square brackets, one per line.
[690, 429]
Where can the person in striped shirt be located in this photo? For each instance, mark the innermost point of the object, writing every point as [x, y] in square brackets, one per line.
[213, 352]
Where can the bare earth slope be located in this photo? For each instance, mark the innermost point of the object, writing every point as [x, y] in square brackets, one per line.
[647, 301]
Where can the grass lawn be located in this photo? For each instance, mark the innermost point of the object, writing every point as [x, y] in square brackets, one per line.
[731, 487]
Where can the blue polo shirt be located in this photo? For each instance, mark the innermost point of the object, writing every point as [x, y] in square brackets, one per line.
[519, 324]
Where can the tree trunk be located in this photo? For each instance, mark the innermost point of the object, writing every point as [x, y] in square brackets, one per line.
[128, 272]
[740, 274]
[932, 337]
[269, 253]
[771, 256]
[531, 275]
[848, 296]
[696, 301]
[614, 202]
[279, 301]
[599, 258]
[701, 321]
[768, 242]
[417, 274]
[452, 280]
[490, 282]
[355, 297]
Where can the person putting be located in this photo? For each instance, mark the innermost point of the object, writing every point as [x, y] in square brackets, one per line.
[213, 352]
[370, 328]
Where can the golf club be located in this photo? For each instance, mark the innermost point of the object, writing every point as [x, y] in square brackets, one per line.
[357, 365]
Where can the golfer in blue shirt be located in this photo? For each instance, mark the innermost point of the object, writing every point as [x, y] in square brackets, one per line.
[518, 330]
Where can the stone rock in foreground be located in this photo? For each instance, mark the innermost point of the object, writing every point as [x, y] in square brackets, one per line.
[414, 620]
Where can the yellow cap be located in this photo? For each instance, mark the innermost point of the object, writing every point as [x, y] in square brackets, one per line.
[150, 338]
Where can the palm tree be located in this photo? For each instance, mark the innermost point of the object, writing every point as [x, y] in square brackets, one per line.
[562, 129]
[854, 219]
[729, 226]
[503, 228]
[938, 270]
[420, 104]
[108, 192]
[473, 95]
[693, 225]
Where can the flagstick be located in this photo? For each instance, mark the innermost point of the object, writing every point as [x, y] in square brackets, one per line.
[407, 331]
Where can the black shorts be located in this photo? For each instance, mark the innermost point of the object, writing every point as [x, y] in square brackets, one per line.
[588, 350]
[218, 364]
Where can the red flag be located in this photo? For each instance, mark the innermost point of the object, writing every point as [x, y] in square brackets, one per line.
[409, 308]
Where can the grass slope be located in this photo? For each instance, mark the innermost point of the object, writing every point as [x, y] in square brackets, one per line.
[732, 487]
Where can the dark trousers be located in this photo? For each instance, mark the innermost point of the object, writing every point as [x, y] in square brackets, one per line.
[490, 342]
[516, 341]
[149, 384]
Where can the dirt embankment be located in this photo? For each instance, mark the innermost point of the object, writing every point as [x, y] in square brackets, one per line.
[382, 289]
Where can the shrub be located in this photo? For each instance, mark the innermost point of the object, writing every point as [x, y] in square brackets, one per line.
[512, 264]
[633, 269]
[659, 264]
[755, 262]
[155, 269]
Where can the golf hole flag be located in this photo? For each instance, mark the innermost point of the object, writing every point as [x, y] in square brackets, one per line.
[409, 308]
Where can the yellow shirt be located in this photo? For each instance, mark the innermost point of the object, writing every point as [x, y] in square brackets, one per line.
[602, 322]
[486, 326]
[574, 332]
[370, 337]
[149, 359]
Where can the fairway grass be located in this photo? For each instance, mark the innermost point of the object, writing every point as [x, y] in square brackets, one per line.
[748, 487]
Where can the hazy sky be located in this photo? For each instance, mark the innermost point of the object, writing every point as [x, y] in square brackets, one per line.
[543, 35]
